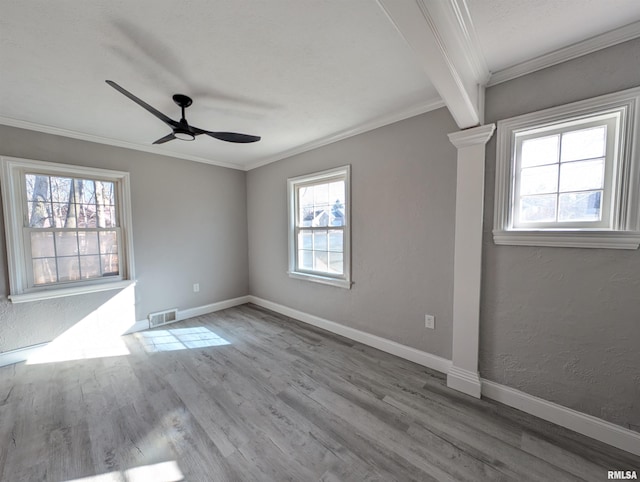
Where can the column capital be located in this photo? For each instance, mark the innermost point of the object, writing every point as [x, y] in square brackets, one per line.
[471, 137]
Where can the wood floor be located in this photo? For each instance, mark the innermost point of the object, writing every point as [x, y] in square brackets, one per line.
[274, 400]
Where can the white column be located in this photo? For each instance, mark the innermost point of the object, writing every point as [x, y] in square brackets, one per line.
[463, 375]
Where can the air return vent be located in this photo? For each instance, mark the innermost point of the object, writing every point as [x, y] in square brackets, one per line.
[162, 318]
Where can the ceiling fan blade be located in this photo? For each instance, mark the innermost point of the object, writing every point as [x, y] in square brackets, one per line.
[166, 138]
[167, 120]
[231, 136]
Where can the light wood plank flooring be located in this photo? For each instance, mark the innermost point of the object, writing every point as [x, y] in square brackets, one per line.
[281, 401]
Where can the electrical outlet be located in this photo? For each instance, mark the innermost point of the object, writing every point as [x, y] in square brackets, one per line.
[196, 287]
[429, 321]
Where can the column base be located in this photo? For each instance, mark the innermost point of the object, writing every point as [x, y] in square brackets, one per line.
[464, 381]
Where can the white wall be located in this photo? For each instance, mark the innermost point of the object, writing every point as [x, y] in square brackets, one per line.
[403, 179]
[189, 226]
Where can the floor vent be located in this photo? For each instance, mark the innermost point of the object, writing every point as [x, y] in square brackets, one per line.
[162, 318]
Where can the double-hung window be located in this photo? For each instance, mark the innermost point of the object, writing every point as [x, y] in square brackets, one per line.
[569, 176]
[319, 227]
[68, 229]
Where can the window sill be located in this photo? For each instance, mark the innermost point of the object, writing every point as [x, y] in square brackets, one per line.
[340, 283]
[72, 291]
[569, 239]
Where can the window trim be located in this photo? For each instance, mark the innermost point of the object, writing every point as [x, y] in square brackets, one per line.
[624, 229]
[343, 281]
[13, 170]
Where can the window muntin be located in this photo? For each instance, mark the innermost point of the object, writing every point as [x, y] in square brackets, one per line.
[319, 227]
[68, 229]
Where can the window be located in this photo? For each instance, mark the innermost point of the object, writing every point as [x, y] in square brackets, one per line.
[319, 236]
[568, 176]
[68, 229]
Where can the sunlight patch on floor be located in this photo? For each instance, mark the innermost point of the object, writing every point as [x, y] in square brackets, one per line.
[179, 339]
[162, 472]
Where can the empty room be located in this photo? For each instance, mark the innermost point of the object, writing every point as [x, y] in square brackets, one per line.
[319, 240]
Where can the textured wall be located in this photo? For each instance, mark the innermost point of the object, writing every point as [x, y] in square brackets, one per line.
[403, 212]
[189, 226]
[563, 324]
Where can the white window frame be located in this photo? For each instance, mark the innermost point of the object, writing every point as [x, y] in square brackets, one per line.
[13, 188]
[344, 280]
[620, 226]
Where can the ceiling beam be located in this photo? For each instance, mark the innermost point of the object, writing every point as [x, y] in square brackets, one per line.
[443, 38]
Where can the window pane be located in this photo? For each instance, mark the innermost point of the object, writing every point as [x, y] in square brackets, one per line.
[109, 249]
[337, 214]
[87, 191]
[584, 144]
[335, 263]
[71, 218]
[539, 151]
[580, 206]
[109, 264]
[582, 175]
[321, 216]
[320, 261]
[105, 193]
[105, 217]
[305, 240]
[88, 242]
[60, 189]
[539, 180]
[321, 194]
[306, 217]
[42, 245]
[37, 187]
[305, 259]
[336, 192]
[87, 216]
[320, 240]
[336, 241]
[44, 271]
[60, 214]
[68, 268]
[538, 208]
[90, 266]
[67, 243]
[108, 242]
[39, 214]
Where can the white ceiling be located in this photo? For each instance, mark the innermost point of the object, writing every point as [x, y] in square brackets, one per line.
[299, 73]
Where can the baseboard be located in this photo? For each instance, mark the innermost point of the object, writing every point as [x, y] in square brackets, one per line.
[464, 381]
[23, 354]
[19, 355]
[211, 308]
[582, 423]
[408, 353]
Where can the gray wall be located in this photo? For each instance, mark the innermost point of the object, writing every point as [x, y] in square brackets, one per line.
[189, 226]
[403, 213]
[563, 324]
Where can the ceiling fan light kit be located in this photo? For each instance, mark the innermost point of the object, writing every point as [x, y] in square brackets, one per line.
[181, 129]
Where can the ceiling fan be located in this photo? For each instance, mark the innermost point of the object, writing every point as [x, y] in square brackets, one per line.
[182, 130]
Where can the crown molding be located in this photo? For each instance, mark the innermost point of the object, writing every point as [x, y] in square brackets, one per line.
[354, 131]
[593, 44]
[32, 126]
[338, 136]
[467, 36]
